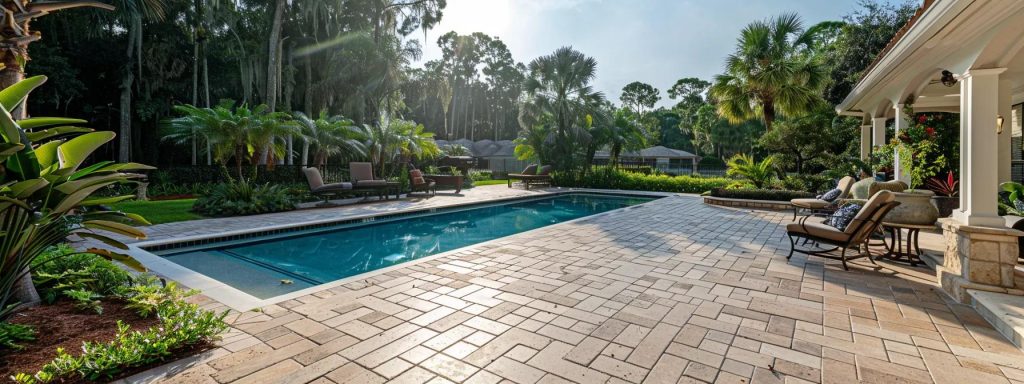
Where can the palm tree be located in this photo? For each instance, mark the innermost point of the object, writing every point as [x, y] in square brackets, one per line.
[623, 134]
[769, 74]
[758, 173]
[558, 86]
[396, 139]
[330, 136]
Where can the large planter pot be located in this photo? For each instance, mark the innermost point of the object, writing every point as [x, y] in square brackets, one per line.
[915, 208]
[946, 204]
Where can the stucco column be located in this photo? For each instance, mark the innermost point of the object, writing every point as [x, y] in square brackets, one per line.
[865, 142]
[900, 123]
[979, 180]
[878, 131]
[1005, 105]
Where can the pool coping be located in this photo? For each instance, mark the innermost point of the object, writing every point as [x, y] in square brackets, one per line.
[241, 301]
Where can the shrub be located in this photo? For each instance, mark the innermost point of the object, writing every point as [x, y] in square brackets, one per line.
[12, 334]
[609, 178]
[760, 194]
[744, 166]
[57, 276]
[238, 198]
[475, 175]
[182, 326]
[809, 183]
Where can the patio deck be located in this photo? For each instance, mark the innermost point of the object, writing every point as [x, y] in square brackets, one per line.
[670, 291]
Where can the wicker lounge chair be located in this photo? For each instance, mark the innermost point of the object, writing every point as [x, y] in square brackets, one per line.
[418, 183]
[819, 205]
[325, 191]
[856, 234]
[532, 175]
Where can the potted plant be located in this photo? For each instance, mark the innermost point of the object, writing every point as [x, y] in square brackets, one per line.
[945, 199]
[918, 150]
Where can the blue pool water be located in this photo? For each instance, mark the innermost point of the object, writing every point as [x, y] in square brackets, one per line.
[310, 258]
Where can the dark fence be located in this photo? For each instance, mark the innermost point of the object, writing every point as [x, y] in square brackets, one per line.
[197, 174]
[673, 168]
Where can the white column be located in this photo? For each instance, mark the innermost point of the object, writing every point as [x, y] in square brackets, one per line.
[1005, 105]
[865, 142]
[901, 122]
[979, 179]
[878, 131]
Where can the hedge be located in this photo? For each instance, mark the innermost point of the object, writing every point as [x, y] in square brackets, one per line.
[760, 194]
[608, 178]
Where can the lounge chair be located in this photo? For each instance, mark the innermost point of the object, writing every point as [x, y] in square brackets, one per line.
[818, 205]
[418, 183]
[856, 234]
[361, 174]
[532, 175]
[325, 191]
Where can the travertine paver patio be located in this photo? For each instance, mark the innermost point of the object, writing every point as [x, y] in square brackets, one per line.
[670, 291]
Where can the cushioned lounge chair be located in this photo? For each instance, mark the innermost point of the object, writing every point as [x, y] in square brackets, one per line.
[325, 191]
[532, 175]
[418, 183]
[363, 181]
[856, 234]
[819, 205]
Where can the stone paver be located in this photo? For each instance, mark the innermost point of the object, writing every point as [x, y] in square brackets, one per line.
[673, 291]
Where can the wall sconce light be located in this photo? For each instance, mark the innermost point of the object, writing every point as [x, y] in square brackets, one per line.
[948, 79]
[999, 124]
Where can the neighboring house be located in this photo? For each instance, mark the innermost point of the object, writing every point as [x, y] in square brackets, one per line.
[496, 156]
[662, 158]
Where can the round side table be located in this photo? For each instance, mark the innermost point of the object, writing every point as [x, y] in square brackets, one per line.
[895, 248]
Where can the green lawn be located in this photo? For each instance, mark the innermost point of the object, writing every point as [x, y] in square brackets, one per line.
[489, 182]
[160, 211]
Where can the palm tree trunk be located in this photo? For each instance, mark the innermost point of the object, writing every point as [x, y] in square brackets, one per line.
[273, 45]
[769, 114]
[11, 74]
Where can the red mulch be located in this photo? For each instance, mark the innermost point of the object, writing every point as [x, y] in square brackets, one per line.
[62, 325]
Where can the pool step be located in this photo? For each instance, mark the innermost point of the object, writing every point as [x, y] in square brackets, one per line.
[1005, 312]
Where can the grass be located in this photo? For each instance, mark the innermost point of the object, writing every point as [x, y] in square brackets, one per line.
[489, 182]
[160, 211]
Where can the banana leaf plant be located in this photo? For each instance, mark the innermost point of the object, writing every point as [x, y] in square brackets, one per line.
[48, 193]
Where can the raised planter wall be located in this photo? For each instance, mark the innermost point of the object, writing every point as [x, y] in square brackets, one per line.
[745, 203]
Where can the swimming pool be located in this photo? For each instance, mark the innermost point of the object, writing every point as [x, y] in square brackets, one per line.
[269, 266]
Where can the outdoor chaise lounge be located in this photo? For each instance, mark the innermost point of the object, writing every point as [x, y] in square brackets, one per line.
[817, 205]
[325, 191]
[532, 175]
[363, 181]
[855, 235]
[418, 183]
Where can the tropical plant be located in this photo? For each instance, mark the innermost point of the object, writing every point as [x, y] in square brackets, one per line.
[769, 74]
[558, 93]
[239, 133]
[244, 197]
[744, 166]
[13, 334]
[47, 193]
[622, 134]
[455, 150]
[397, 140]
[53, 274]
[920, 146]
[945, 187]
[330, 136]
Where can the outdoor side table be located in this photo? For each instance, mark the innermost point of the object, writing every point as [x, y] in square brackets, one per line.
[895, 248]
[393, 186]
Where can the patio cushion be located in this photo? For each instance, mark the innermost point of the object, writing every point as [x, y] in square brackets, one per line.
[360, 171]
[815, 229]
[845, 184]
[544, 171]
[869, 209]
[843, 216]
[313, 178]
[810, 203]
[416, 176]
[530, 170]
[370, 183]
[332, 187]
[830, 196]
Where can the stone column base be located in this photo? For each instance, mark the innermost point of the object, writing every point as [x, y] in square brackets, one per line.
[981, 258]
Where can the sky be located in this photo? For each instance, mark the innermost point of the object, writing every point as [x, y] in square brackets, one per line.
[653, 41]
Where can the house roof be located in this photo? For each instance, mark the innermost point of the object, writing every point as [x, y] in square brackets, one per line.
[484, 148]
[652, 152]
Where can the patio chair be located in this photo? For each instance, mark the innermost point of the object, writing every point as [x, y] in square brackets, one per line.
[361, 174]
[418, 183]
[856, 234]
[325, 191]
[817, 205]
[532, 175]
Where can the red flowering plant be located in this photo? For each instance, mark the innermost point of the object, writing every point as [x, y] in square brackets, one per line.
[927, 146]
[945, 187]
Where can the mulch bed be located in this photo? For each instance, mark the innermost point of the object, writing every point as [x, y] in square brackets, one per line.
[61, 325]
[172, 197]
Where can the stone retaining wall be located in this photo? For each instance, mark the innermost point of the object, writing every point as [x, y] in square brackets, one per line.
[744, 203]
